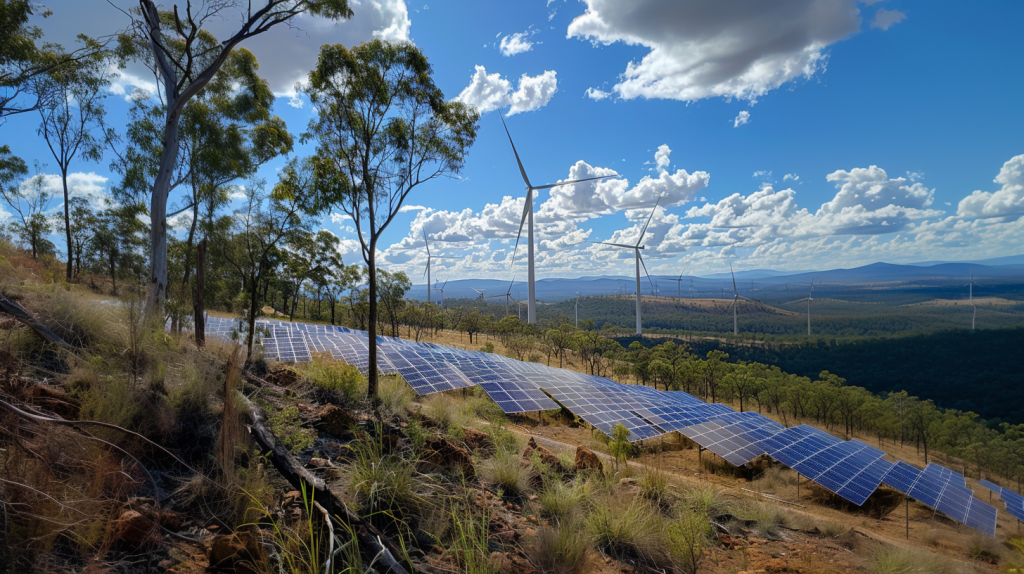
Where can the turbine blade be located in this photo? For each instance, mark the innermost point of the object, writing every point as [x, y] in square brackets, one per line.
[641, 257]
[526, 211]
[644, 230]
[570, 181]
[425, 242]
[734, 290]
[614, 244]
[522, 170]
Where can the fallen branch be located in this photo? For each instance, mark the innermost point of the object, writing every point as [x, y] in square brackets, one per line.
[290, 468]
[26, 318]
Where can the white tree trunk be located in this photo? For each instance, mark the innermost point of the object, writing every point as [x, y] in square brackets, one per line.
[158, 216]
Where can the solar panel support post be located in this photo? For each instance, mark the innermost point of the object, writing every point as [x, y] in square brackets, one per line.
[908, 518]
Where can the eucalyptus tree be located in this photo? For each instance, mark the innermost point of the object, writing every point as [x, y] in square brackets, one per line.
[381, 129]
[23, 62]
[117, 241]
[262, 227]
[83, 224]
[68, 119]
[30, 198]
[184, 57]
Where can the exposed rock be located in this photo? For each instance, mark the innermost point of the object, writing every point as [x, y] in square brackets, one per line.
[477, 440]
[441, 452]
[509, 562]
[169, 520]
[586, 460]
[134, 528]
[227, 550]
[335, 420]
[546, 456]
[319, 462]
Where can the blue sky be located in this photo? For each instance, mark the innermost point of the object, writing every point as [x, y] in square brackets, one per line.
[808, 134]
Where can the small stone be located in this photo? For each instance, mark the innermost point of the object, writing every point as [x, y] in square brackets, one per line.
[319, 462]
[165, 564]
[586, 460]
[132, 527]
[335, 420]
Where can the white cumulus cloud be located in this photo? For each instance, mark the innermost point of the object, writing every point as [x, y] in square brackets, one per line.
[742, 118]
[489, 92]
[1007, 202]
[596, 94]
[515, 44]
[727, 48]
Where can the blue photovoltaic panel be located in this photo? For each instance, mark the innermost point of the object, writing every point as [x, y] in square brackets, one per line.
[902, 477]
[862, 484]
[982, 516]
[736, 437]
[1014, 502]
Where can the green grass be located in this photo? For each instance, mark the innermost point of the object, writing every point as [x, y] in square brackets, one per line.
[562, 501]
[562, 549]
[507, 472]
[894, 560]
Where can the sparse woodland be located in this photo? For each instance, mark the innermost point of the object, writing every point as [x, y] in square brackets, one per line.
[130, 443]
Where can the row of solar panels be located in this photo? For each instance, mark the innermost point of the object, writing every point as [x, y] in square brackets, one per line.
[851, 469]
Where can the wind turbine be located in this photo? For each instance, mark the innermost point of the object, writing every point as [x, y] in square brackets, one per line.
[809, 298]
[479, 292]
[735, 302]
[506, 296]
[679, 286]
[531, 305]
[691, 287]
[429, 259]
[639, 261]
[441, 289]
[971, 285]
[577, 325]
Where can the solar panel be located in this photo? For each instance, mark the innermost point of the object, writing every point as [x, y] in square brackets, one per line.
[982, 516]
[1013, 501]
[902, 477]
[736, 437]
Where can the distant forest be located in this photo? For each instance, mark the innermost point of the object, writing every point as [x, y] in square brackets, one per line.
[975, 371]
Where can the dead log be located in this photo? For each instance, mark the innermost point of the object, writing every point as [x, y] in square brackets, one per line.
[26, 318]
[380, 546]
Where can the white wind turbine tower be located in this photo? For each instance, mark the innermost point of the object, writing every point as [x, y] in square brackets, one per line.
[531, 305]
[735, 302]
[429, 259]
[691, 288]
[679, 286]
[639, 261]
[971, 285]
[809, 298]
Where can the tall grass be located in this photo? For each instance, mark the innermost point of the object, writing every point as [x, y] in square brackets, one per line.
[329, 374]
[385, 483]
[395, 395]
[562, 549]
[630, 528]
[895, 560]
[563, 501]
[508, 472]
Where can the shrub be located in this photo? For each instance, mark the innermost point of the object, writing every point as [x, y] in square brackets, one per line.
[508, 472]
[286, 426]
[445, 412]
[706, 500]
[562, 549]
[689, 534]
[620, 446]
[488, 347]
[336, 376]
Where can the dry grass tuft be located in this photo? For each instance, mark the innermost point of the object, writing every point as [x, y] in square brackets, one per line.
[562, 549]
[894, 560]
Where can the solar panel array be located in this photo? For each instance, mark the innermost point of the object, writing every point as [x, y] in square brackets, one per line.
[851, 469]
[946, 491]
[1014, 502]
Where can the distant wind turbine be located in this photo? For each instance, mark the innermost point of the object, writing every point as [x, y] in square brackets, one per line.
[639, 261]
[441, 289]
[735, 302]
[971, 285]
[531, 305]
[679, 286]
[507, 296]
[479, 292]
[809, 298]
[429, 259]
[691, 287]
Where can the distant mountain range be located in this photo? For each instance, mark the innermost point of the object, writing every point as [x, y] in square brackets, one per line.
[999, 270]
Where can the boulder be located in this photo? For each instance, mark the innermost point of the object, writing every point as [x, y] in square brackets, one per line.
[477, 440]
[335, 420]
[134, 528]
[546, 456]
[441, 452]
[586, 460]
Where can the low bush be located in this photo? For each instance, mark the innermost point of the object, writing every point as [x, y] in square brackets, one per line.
[336, 376]
[630, 528]
[504, 439]
[561, 501]
[287, 427]
[767, 518]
